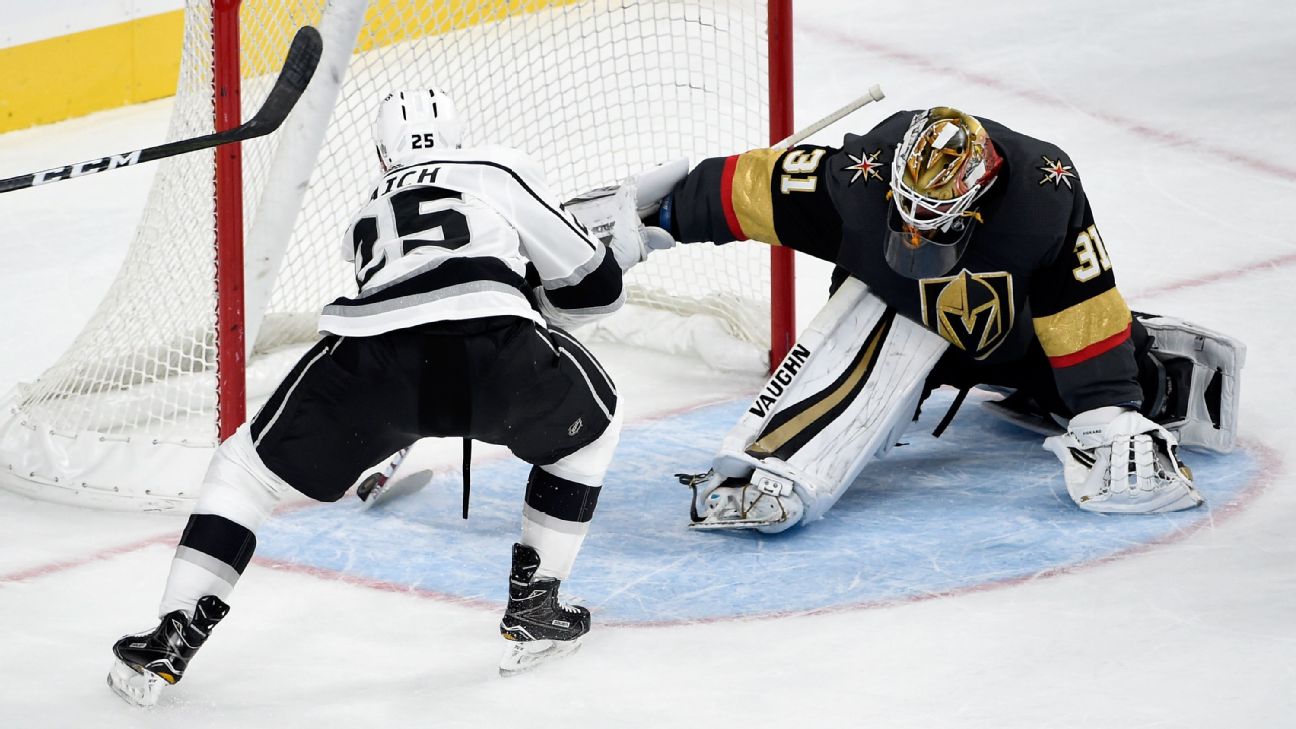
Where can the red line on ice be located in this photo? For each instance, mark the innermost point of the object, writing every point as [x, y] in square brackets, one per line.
[172, 538]
[64, 565]
[1210, 278]
[1270, 466]
[382, 585]
[100, 555]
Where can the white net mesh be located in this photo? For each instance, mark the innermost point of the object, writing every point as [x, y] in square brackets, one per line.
[592, 90]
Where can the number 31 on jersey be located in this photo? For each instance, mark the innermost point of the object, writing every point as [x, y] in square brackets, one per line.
[1092, 255]
[799, 167]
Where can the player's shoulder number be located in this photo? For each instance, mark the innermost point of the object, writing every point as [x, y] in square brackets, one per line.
[799, 168]
[1092, 254]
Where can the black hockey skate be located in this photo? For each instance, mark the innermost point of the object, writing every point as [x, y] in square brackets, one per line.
[148, 662]
[541, 627]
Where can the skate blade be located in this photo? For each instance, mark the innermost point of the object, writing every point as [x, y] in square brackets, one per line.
[718, 525]
[524, 656]
[141, 688]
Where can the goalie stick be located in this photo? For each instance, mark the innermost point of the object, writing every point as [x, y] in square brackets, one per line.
[602, 228]
[874, 94]
[299, 66]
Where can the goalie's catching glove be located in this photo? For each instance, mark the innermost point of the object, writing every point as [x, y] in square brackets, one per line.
[1115, 460]
[615, 215]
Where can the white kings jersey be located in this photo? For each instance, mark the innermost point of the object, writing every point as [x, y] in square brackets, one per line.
[449, 237]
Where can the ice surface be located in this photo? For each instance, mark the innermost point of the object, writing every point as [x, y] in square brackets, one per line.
[1178, 117]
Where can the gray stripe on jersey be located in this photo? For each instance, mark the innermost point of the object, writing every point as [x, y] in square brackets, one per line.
[580, 273]
[429, 266]
[577, 317]
[406, 302]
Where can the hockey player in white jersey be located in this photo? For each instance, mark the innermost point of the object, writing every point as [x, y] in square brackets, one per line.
[467, 269]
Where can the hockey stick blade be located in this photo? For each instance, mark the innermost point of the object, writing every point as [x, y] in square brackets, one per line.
[298, 69]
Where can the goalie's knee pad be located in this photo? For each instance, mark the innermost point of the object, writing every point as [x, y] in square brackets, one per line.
[839, 399]
[1192, 379]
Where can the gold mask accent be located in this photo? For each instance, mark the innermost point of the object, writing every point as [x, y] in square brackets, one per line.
[952, 143]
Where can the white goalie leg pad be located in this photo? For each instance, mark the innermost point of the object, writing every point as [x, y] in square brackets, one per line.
[840, 398]
[239, 487]
[1206, 415]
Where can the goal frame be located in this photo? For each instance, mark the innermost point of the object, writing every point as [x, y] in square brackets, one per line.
[231, 329]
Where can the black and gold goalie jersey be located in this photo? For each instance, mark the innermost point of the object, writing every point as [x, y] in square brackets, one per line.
[1035, 268]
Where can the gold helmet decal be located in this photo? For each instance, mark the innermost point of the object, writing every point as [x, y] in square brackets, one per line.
[951, 142]
[945, 162]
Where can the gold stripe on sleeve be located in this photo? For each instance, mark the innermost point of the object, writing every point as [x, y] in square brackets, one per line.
[1076, 327]
[751, 198]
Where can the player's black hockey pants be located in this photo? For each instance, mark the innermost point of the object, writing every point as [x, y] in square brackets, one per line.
[351, 402]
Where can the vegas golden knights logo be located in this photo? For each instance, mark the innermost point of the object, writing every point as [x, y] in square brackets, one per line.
[973, 311]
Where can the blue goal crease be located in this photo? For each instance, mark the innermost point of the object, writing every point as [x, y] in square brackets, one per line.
[983, 504]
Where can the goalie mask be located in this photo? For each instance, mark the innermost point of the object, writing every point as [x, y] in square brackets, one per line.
[944, 164]
[414, 124]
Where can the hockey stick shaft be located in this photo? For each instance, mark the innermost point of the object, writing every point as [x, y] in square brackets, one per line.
[874, 94]
[299, 66]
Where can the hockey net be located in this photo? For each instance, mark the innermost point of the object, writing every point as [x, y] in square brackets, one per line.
[593, 90]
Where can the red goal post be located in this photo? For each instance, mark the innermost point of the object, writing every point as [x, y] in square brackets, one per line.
[236, 250]
[229, 202]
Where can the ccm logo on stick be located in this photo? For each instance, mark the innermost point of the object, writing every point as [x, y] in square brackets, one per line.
[84, 168]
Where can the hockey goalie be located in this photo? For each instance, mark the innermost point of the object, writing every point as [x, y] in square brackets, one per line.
[966, 254]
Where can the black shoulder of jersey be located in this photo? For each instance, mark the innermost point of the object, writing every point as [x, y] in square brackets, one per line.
[863, 163]
[1039, 197]
[1036, 199]
[1034, 168]
[885, 136]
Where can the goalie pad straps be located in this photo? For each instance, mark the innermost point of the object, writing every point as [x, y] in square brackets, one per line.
[1118, 461]
[840, 398]
[1203, 369]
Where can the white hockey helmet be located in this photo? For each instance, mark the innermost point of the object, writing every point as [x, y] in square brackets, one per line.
[413, 124]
